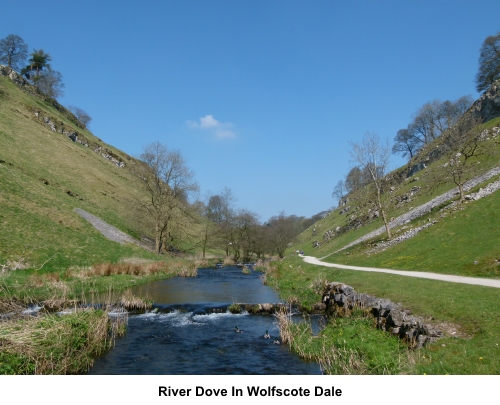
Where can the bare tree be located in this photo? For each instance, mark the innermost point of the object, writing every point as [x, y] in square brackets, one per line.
[282, 232]
[339, 191]
[463, 144]
[50, 83]
[80, 115]
[168, 183]
[372, 156]
[355, 179]
[13, 51]
[489, 63]
[213, 212]
[245, 224]
[428, 123]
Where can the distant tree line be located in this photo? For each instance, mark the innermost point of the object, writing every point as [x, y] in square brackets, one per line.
[215, 223]
[240, 234]
[36, 69]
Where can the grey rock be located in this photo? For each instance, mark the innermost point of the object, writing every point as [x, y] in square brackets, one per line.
[396, 317]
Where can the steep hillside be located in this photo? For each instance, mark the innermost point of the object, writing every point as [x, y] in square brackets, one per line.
[50, 165]
[445, 237]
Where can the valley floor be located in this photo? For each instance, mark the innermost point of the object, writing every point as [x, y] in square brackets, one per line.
[418, 274]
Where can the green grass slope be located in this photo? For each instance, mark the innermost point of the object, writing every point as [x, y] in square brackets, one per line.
[44, 176]
[463, 240]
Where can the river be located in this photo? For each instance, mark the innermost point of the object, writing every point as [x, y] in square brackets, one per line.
[189, 330]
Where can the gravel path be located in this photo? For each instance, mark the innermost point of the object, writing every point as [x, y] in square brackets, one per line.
[424, 208]
[108, 230]
[419, 274]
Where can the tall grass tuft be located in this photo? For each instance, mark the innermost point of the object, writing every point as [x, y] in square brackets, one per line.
[318, 284]
[132, 302]
[345, 348]
[51, 344]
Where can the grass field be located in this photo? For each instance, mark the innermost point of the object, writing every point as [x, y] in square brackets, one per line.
[467, 314]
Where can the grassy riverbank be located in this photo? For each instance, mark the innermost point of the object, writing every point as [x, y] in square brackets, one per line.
[467, 314]
[52, 344]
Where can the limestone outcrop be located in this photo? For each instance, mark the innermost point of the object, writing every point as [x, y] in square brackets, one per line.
[487, 106]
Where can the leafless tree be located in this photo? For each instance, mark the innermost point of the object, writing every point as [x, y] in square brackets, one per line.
[80, 115]
[489, 63]
[50, 83]
[168, 183]
[372, 156]
[282, 231]
[428, 123]
[245, 224]
[339, 191]
[215, 215]
[13, 51]
[463, 144]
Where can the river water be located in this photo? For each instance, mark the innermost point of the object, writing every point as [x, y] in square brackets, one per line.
[190, 332]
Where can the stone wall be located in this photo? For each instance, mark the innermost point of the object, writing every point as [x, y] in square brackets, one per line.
[388, 316]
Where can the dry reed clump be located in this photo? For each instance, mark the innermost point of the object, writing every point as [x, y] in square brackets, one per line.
[145, 268]
[228, 262]
[284, 321]
[271, 272]
[53, 345]
[261, 265]
[126, 268]
[201, 263]
[9, 306]
[50, 282]
[131, 302]
[318, 284]
[182, 268]
[59, 303]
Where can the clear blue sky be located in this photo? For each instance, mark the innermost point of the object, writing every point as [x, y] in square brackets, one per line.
[259, 96]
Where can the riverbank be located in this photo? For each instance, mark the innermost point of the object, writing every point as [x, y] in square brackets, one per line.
[66, 332]
[467, 315]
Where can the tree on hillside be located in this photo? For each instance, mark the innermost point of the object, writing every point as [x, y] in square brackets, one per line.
[13, 51]
[372, 156]
[405, 143]
[50, 83]
[81, 115]
[489, 63]
[339, 191]
[428, 123]
[356, 179]
[463, 144]
[38, 62]
[168, 182]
